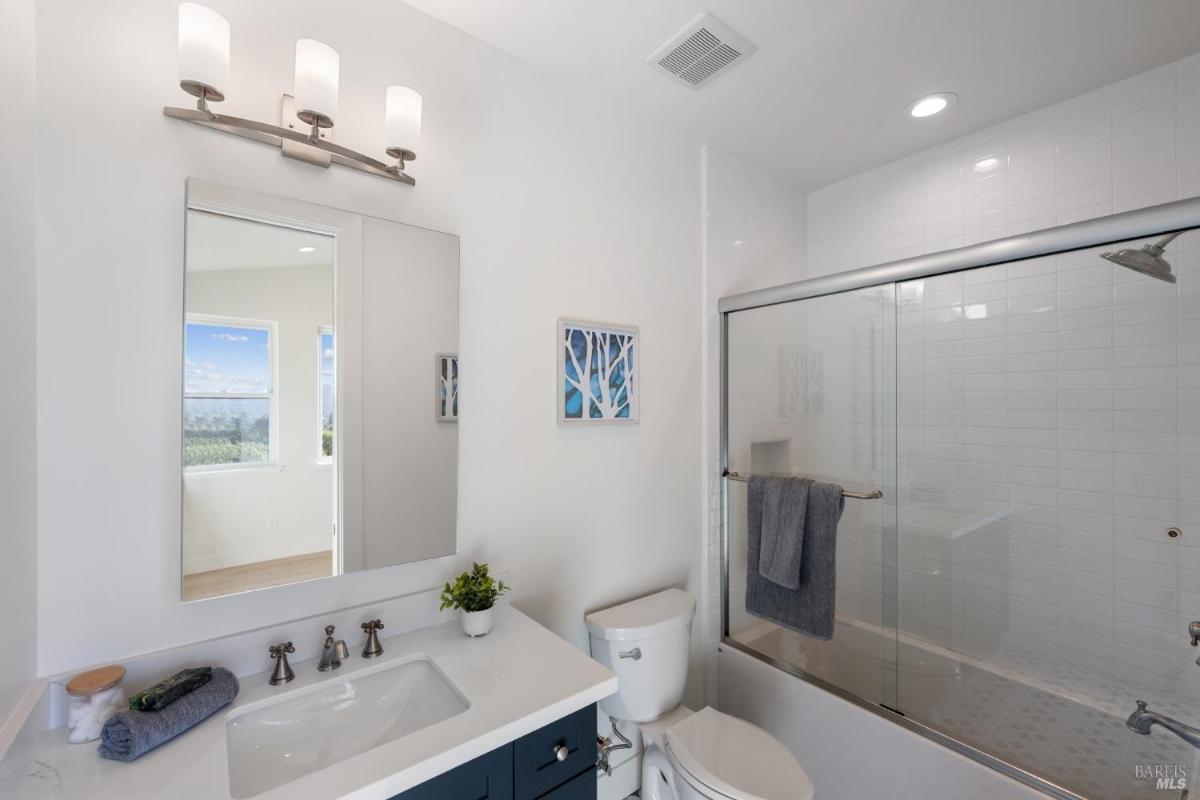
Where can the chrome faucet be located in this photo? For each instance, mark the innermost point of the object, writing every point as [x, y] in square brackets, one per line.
[1141, 721]
[1194, 632]
[333, 652]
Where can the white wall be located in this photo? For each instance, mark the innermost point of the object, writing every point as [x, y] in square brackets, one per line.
[228, 514]
[17, 356]
[523, 168]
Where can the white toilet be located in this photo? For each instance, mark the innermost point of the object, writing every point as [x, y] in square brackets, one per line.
[689, 755]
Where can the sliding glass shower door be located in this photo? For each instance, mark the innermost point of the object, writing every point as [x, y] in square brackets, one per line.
[1048, 423]
[1033, 565]
[812, 392]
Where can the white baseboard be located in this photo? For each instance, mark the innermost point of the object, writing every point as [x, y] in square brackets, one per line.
[20, 715]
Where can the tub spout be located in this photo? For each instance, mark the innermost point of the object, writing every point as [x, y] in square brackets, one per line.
[1141, 721]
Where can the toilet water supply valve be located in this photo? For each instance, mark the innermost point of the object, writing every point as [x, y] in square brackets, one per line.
[606, 747]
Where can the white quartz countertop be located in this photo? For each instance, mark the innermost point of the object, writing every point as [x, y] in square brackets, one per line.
[517, 678]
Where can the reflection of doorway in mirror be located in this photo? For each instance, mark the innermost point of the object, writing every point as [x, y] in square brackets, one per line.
[446, 387]
[259, 416]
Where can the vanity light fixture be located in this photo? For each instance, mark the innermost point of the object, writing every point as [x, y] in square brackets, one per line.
[316, 85]
[402, 123]
[307, 118]
[931, 104]
[203, 53]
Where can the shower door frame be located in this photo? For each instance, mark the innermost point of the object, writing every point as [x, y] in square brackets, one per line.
[1176, 216]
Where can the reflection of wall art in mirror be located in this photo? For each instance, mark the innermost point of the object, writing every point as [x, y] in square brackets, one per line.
[446, 386]
[598, 377]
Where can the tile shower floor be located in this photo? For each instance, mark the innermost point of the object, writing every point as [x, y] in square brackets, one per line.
[1084, 749]
[1058, 722]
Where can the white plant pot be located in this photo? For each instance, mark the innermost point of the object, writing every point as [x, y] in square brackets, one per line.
[477, 623]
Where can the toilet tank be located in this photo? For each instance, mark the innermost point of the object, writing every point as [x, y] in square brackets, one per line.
[645, 642]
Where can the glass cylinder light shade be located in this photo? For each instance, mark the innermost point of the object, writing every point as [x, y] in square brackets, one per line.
[402, 124]
[316, 80]
[203, 50]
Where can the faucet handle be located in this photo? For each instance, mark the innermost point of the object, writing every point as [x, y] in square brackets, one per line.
[1141, 705]
[372, 648]
[281, 650]
[282, 673]
[1194, 632]
[328, 631]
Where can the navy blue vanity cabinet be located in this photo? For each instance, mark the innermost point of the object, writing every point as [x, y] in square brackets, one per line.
[489, 777]
[551, 756]
[556, 762]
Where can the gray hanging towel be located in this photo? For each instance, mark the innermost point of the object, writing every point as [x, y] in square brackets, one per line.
[808, 609]
[784, 504]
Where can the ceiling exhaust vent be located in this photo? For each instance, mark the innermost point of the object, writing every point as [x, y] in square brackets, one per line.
[704, 49]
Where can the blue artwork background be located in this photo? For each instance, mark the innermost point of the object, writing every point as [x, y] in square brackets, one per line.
[604, 361]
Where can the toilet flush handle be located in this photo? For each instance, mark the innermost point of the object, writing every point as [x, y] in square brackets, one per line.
[635, 654]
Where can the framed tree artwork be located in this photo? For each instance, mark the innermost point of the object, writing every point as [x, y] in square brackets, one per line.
[598, 378]
[446, 386]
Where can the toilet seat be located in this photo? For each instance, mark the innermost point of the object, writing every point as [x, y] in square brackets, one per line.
[720, 754]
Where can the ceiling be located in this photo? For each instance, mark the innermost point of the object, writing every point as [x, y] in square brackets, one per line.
[824, 96]
[217, 242]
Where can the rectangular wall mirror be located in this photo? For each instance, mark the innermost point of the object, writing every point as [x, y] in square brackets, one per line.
[319, 389]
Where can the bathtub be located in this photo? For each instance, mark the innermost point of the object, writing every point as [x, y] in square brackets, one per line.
[862, 659]
[1062, 733]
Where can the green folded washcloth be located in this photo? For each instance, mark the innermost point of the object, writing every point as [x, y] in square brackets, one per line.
[162, 694]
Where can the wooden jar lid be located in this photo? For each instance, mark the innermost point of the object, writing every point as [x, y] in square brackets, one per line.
[96, 680]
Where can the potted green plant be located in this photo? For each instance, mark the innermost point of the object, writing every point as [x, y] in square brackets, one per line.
[475, 593]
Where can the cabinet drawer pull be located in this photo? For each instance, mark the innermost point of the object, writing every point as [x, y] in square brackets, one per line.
[561, 752]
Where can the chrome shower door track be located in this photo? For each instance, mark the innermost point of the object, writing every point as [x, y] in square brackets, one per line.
[1179, 215]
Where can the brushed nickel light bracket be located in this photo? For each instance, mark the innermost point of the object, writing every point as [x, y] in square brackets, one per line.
[303, 139]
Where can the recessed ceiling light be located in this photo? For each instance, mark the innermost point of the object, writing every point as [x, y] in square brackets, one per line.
[308, 248]
[987, 164]
[932, 104]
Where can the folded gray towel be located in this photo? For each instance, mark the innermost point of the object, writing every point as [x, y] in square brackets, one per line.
[808, 609]
[132, 734]
[784, 505]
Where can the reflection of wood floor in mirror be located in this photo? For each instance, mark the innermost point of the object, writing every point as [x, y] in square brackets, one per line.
[258, 575]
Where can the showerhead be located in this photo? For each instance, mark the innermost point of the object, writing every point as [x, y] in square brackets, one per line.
[1148, 260]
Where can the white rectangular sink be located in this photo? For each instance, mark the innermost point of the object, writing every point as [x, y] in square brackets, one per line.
[307, 731]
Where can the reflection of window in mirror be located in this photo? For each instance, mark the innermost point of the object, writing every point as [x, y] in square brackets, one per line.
[260, 499]
[229, 398]
[325, 380]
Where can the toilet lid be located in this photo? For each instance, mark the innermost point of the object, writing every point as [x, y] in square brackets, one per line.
[736, 759]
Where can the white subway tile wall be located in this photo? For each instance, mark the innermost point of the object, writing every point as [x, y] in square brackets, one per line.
[1047, 409]
[1046, 415]
[1132, 144]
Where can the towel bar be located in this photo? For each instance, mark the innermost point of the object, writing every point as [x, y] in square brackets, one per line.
[874, 494]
